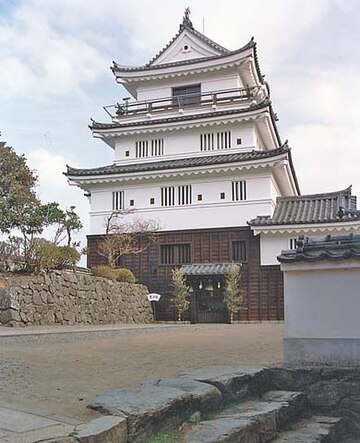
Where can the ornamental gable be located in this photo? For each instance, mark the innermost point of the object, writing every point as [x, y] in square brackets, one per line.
[186, 46]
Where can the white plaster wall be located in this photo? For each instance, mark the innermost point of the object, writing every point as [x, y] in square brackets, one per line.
[322, 303]
[271, 245]
[184, 143]
[163, 88]
[210, 212]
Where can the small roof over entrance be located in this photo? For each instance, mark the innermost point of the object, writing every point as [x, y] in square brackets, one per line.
[206, 269]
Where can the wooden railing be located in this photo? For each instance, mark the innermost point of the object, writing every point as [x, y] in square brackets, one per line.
[207, 99]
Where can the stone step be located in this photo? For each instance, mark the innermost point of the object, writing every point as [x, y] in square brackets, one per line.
[249, 421]
[312, 430]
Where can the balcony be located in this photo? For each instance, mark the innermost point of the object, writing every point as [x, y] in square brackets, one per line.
[207, 101]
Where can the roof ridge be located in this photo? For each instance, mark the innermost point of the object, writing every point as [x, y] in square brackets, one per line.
[231, 157]
[319, 196]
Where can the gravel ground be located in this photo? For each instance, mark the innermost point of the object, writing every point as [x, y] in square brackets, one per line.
[62, 374]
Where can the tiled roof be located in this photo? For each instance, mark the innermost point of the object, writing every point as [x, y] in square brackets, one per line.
[314, 208]
[263, 104]
[150, 66]
[178, 164]
[206, 269]
[341, 247]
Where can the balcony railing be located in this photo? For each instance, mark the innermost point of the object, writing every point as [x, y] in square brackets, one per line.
[207, 99]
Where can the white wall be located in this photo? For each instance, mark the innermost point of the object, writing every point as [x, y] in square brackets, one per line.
[184, 143]
[210, 212]
[228, 79]
[323, 303]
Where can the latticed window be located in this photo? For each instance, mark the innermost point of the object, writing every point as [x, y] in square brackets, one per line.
[292, 243]
[239, 251]
[149, 148]
[180, 195]
[238, 190]
[184, 195]
[215, 140]
[118, 200]
[175, 254]
[168, 196]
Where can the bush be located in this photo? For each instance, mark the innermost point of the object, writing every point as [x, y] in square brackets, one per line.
[48, 256]
[125, 275]
[104, 272]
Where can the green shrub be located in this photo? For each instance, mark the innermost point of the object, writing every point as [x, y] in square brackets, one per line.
[48, 256]
[104, 272]
[125, 275]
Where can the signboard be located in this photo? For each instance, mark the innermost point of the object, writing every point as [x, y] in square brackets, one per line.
[153, 297]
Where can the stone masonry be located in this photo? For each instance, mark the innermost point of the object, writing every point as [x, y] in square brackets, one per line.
[63, 297]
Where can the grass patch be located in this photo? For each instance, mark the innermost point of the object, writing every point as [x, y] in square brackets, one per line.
[167, 437]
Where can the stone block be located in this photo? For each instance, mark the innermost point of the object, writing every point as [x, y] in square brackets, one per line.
[107, 429]
[157, 405]
[9, 315]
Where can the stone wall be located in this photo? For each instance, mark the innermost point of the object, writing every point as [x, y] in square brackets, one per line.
[63, 297]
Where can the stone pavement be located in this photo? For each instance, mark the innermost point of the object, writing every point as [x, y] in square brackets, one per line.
[23, 427]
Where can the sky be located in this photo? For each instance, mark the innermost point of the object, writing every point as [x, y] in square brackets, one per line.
[55, 58]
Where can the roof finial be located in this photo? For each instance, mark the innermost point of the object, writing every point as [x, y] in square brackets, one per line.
[186, 19]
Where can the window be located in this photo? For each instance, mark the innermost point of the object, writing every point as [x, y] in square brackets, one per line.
[292, 243]
[157, 147]
[127, 153]
[118, 200]
[184, 195]
[152, 201]
[238, 251]
[142, 148]
[222, 195]
[186, 95]
[149, 148]
[238, 141]
[238, 191]
[177, 254]
[168, 196]
[132, 202]
[215, 140]
[199, 197]
[181, 195]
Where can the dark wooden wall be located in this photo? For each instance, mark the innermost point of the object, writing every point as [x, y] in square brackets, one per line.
[263, 285]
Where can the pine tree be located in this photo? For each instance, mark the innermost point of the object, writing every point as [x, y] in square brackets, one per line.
[234, 295]
[180, 300]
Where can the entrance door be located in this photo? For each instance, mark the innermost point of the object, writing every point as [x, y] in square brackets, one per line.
[210, 306]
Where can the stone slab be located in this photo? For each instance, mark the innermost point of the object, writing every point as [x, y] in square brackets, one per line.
[224, 430]
[271, 412]
[67, 420]
[235, 382]
[107, 429]
[313, 430]
[18, 421]
[37, 435]
[158, 404]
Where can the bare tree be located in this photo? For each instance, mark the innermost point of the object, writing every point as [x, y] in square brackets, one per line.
[124, 236]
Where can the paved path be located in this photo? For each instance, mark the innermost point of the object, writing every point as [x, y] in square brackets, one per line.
[48, 374]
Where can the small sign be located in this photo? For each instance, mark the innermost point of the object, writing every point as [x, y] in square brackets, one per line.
[153, 297]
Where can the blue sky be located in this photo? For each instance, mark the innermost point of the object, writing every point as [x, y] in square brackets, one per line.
[55, 76]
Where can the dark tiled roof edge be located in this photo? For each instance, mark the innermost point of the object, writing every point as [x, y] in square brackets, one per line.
[150, 66]
[178, 164]
[333, 248]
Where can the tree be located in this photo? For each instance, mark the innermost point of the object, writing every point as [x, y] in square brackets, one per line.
[234, 295]
[22, 211]
[180, 300]
[19, 205]
[126, 236]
